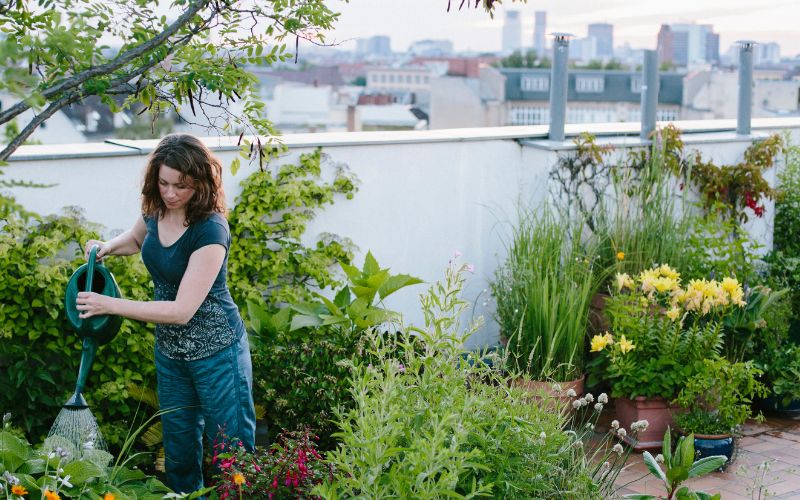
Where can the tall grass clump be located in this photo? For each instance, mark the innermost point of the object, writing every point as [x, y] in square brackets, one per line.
[543, 292]
[646, 219]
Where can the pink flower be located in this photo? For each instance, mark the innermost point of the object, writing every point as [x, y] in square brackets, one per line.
[471, 268]
[402, 368]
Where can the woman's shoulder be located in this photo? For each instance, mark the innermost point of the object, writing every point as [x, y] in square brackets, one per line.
[215, 218]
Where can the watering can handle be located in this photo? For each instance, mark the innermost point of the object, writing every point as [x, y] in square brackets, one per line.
[90, 267]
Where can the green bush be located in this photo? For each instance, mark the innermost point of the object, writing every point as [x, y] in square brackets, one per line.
[301, 351]
[39, 352]
[429, 424]
[267, 260]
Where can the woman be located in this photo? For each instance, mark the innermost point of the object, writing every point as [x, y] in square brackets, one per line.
[202, 354]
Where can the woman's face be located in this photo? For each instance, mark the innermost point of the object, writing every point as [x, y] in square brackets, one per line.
[175, 190]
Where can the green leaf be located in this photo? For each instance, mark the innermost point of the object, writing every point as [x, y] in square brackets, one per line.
[365, 292]
[640, 497]
[370, 265]
[235, 165]
[304, 321]
[342, 298]
[352, 272]
[653, 466]
[706, 465]
[395, 283]
[81, 471]
[666, 448]
[687, 451]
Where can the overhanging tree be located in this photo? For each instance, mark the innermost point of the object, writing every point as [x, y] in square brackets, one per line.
[196, 58]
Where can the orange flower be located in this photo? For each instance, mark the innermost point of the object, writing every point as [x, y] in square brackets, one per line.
[19, 490]
[238, 479]
[620, 255]
[51, 495]
[109, 496]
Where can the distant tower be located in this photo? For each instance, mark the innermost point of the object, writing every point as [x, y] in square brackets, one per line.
[539, 31]
[604, 34]
[512, 32]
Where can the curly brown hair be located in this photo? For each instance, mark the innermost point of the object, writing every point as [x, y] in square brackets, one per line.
[189, 156]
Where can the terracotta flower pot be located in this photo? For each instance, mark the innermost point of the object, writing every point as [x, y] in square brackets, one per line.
[657, 412]
[543, 391]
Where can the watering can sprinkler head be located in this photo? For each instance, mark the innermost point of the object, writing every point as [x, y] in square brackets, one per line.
[96, 330]
[76, 402]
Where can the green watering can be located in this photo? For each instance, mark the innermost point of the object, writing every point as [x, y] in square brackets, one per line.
[95, 331]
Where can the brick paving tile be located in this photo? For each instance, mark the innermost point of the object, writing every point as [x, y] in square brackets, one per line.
[768, 459]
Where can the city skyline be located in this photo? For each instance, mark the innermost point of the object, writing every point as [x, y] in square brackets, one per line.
[473, 30]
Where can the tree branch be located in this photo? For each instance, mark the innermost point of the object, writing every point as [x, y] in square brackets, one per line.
[37, 120]
[111, 66]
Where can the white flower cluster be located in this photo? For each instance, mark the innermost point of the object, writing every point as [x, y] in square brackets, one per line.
[639, 426]
[617, 448]
[615, 424]
[602, 398]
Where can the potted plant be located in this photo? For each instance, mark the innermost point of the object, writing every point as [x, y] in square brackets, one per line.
[543, 291]
[718, 401]
[659, 335]
[782, 372]
[678, 466]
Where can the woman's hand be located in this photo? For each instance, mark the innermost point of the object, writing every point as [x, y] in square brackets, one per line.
[102, 250]
[93, 304]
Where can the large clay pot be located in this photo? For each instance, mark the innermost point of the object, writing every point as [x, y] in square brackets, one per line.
[543, 392]
[657, 412]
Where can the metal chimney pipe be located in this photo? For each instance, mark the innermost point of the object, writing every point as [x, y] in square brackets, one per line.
[558, 86]
[745, 87]
[650, 85]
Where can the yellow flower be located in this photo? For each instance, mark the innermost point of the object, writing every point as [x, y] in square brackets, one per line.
[238, 479]
[667, 272]
[599, 342]
[51, 495]
[624, 281]
[109, 496]
[19, 490]
[674, 313]
[665, 284]
[620, 255]
[626, 345]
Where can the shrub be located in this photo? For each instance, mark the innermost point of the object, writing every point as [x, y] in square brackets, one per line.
[290, 468]
[427, 424]
[267, 260]
[40, 352]
[300, 351]
[715, 408]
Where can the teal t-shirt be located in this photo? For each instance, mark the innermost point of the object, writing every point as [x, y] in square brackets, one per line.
[217, 323]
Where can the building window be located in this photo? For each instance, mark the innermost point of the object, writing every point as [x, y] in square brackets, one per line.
[408, 78]
[593, 84]
[636, 84]
[416, 79]
[535, 83]
[383, 78]
[426, 80]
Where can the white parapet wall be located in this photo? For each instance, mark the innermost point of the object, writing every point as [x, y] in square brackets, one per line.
[423, 195]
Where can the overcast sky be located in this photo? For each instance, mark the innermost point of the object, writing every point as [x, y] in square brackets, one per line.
[636, 22]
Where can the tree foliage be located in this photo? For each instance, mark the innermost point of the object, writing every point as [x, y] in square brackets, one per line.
[53, 53]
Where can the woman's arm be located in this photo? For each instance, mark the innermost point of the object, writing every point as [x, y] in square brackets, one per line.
[203, 268]
[127, 243]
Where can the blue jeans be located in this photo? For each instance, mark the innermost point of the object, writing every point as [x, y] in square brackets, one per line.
[207, 394]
